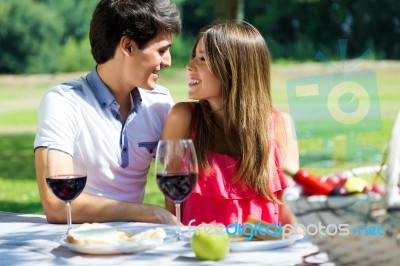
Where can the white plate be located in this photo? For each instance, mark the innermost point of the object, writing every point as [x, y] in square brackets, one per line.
[261, 245]
[111, 249]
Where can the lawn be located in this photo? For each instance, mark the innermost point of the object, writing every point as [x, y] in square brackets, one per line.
[325, 149]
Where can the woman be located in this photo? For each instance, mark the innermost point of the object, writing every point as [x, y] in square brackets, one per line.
[242, 142]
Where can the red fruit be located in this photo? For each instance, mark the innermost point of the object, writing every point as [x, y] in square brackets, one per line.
[306, 191]
[378, 189]
[343, 176]
[337, 179]
[311, 184]
[339, 190]
[333, 180]
[367, 188]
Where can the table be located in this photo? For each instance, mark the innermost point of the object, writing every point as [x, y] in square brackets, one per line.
[27, 239]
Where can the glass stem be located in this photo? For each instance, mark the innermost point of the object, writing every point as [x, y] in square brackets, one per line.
[69, 220]
[178, 218]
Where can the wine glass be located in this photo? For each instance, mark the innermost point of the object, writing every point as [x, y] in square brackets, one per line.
[176, 172]
[63, 177]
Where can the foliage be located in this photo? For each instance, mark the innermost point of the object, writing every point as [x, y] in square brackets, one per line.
[317, 25]
[297, 29]
[181, 50]
[75, 14]
[76, 55]
[195, 15]
[39, 36]
[30, 39]
[18, 189]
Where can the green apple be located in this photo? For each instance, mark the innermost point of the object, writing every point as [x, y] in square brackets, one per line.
[210, 242]
[355, 184]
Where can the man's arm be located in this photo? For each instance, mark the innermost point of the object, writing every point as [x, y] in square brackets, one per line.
[91, 208]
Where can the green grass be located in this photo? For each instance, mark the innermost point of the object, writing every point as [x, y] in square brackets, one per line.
[18, 189]
[20, 96]
[19, 118]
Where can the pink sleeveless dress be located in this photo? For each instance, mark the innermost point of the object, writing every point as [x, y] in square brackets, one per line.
[217, 199]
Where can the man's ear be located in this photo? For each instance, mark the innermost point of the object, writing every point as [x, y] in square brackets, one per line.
[127, 45]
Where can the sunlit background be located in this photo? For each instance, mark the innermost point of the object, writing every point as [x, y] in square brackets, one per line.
[318, 45]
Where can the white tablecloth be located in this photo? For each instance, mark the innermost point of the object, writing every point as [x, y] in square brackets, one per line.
[29, 240]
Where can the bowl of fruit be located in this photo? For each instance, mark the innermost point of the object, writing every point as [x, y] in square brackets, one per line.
[349, 217]
[352, 215]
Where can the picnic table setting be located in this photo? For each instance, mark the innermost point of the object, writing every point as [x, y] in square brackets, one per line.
[27, 239]
[357, 226]
[343, 220]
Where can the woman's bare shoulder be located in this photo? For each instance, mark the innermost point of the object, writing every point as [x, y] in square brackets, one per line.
[284, 126]
[178, 120]
[282, 119]
[182, 109]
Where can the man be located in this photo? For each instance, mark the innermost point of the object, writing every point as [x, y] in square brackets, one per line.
[111, 119]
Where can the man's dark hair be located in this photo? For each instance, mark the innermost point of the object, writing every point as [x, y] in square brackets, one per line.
[140, 20]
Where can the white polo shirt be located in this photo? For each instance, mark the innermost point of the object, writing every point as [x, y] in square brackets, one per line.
[83, 115]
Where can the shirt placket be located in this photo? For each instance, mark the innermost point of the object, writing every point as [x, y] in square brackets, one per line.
[123, 142]
[124, 148]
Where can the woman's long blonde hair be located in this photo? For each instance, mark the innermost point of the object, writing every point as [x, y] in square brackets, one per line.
[239, 57]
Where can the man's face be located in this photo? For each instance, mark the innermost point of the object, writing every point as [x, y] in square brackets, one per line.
[147, 62]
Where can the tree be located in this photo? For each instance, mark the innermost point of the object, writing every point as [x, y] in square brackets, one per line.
[76, 16]
[229, 10]
[30, 34]
[196, 13]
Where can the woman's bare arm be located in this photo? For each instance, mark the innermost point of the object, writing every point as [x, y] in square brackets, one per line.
[286, 139]
[177, 127]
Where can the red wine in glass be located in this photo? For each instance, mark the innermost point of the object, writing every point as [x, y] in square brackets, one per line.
[177, 187]
[66, 187]
[176, 172]
[66, 174]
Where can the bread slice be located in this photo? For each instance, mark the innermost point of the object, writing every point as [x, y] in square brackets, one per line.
[96, 234]
[266, 236]
[102, 234]
[156, 234]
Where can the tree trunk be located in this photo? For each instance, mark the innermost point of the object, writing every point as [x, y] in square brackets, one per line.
[229, 10]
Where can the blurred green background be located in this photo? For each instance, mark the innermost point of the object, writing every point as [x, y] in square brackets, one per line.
[50, 36]
[44, 42]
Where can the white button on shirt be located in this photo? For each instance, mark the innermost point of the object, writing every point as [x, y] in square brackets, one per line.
[83, 114]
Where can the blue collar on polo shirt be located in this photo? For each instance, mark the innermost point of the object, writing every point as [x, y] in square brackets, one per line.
[107, 100]
[104, 95]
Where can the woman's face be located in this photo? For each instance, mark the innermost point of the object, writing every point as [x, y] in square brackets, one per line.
[203, 85]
